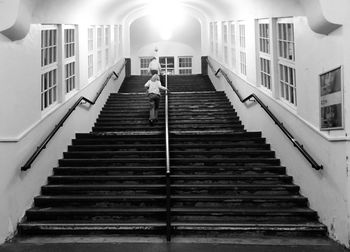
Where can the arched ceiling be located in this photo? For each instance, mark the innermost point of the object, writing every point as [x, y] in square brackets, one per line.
[127, 11]
[209, 8]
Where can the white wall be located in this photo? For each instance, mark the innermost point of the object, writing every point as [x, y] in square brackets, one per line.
[186, 41]
[23, 126]
[327, 190]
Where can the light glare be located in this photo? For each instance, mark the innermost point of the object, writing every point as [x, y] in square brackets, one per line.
[166, 16]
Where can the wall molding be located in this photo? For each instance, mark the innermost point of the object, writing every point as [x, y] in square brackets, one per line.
[316, 18]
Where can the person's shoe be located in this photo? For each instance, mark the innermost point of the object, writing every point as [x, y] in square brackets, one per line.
[150, 122]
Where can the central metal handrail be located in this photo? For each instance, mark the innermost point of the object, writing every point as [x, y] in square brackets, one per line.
[168, 200]
[296, 144]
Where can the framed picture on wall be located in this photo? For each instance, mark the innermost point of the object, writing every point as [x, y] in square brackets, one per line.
[331, 100]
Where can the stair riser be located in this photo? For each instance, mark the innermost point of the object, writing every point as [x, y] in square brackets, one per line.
[90, 231]
[105, 216]
[100, 204]
[106, 162]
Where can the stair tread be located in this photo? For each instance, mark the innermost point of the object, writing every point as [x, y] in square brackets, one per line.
[256, 224]
[101, 197]
[95, 210]
[242, 210]
[77, 223]
[240, 197]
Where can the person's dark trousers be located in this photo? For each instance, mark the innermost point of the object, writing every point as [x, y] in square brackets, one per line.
[153, 72]
[153, 106]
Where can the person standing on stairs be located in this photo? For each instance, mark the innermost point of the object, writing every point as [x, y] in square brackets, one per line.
[154, 66]
[153, 86]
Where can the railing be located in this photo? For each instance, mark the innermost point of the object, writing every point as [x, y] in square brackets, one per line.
[168, 190]
[296, 144]
[65, 117]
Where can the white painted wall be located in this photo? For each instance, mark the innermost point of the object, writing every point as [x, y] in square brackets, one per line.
[327, 190]
[186, 41]
[23, 126]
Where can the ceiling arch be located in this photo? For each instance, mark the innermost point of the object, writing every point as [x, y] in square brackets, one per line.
[19, 14]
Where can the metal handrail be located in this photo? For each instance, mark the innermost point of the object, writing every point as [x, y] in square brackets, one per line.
[296, 144]
[42, 146]
[168, 200]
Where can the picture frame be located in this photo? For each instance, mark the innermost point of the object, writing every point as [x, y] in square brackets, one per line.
[332, 99]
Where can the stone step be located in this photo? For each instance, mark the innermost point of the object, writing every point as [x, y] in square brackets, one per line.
[173, 147]
[109, 170]
[66, 213]
[108, 179]
[86, 227]
[103, 190]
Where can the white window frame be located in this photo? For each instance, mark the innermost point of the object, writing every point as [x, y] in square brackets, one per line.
[49, 71]
[144, 63]
[211, 38]
[91, 52]
[120, 48]
[116, 43]
[99, 48]
[242, 48]
[286, 63]
[233, 48]
[225, 42]
[107, 44]
[216, 40]
[185, 69]
[70, 80]
[264, 48]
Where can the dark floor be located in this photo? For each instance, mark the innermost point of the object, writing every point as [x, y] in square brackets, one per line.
[181, 245]
[160, 247]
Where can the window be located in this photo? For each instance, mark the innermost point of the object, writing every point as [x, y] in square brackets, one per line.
[242, 50]
[120, 53]
[233, 44]
[216, 39]
[144, 63]
[264, 53]
[185, 65]
[286, 41]
[286, 60]
[49, 66]
[167, 63]
[107, 44]
[225, 41]
[212, 38]
[99, 49]
[90, 52]
[264, 36]
[288, 83]
[265, 73]
[70, 76]
[69, 58]
[116, 42]
[69, 42]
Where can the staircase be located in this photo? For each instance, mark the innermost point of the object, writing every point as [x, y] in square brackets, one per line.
[224, 180]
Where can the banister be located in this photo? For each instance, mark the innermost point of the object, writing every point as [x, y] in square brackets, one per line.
[168, 199]
[296, 144]
[42, 146]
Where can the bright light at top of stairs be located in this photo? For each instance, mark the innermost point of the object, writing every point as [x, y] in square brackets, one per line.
[166, 16]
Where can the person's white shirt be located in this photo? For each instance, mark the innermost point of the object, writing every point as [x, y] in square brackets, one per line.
[154, 65]
[154, 86]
